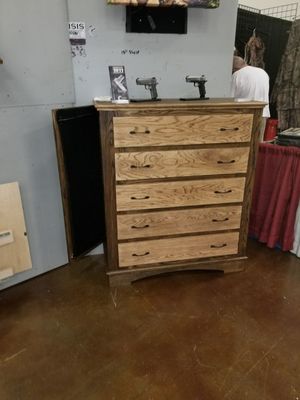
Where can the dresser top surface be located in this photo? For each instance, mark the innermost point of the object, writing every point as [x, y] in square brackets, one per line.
[221, 103]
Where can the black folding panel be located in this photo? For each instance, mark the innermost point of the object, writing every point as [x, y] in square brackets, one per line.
[78, 145]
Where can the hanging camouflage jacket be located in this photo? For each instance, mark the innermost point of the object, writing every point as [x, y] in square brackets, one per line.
[286, 91]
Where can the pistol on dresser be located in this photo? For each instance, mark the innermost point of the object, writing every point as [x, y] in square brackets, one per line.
[150, 84]
[199, 82]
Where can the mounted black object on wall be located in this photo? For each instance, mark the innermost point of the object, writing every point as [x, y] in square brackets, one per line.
[156, 20]
[168, 3]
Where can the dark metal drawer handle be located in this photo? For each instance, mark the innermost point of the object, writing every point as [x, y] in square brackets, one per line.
[140, 227]
[229, 129]
[223, 192]
[146, 132]
[218, 246]
[226, 162]
[140, 166]
[140, 198]
[220, 220]
[141, 255]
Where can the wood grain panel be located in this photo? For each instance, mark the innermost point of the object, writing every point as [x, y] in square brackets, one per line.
[184, 248]
[165, 223]
[180, 163]
[110, 246]
[181, 130]
[14, 248]
[257, 120]
[64, 185]
[179, 194]
[168, 105]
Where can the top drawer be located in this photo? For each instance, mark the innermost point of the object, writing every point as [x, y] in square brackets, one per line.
[181, 130]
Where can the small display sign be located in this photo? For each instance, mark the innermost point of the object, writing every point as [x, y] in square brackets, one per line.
[119, 91]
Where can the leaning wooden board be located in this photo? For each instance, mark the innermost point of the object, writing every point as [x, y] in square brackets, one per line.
[14, 247]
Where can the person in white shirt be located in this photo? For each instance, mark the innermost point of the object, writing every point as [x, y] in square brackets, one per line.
[250, 83]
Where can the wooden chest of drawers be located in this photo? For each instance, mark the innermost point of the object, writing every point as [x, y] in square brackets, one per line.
[177, 182]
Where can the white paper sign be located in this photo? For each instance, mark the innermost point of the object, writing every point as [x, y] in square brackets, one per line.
[77, 33]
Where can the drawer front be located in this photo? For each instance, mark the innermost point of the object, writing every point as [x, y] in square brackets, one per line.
[180, 163]
[176, 249]
[164, 223]
[181, 130]
[179, 194]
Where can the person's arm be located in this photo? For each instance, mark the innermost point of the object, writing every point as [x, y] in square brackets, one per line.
[233, 89]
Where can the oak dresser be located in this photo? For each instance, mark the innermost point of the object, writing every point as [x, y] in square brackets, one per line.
[177, 181]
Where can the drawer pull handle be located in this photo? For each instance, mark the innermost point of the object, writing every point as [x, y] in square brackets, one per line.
[220, 220]
[218, 246]
[140, 166]
[141, 255]
[223, 191]
[140, 198]
[140, 227]
[229, 129]
[134, 132]
[226, 162]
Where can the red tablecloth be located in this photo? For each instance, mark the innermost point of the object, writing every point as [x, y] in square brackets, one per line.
[276, 195]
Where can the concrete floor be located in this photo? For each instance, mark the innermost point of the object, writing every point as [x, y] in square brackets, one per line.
[187, 336]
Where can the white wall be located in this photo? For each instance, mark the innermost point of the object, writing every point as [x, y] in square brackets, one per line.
[206, 49]
[35, 78]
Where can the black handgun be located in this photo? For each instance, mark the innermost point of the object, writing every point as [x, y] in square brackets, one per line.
[198, 81]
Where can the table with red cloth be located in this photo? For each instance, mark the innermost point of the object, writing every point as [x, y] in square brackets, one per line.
[276, 195]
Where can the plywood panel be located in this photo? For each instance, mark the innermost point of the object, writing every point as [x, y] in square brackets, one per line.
[14, 248]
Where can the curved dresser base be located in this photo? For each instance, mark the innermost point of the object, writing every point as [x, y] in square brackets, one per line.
[127, 276]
